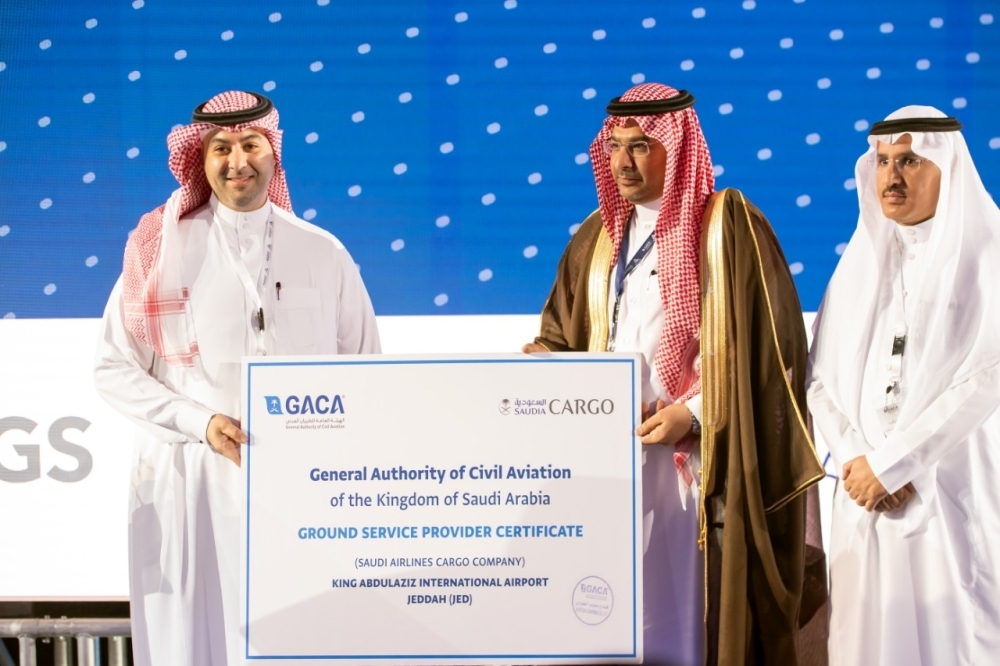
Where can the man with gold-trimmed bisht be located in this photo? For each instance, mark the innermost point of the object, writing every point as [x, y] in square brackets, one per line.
[694, 280]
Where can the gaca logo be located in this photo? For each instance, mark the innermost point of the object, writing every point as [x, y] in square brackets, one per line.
[320, 404]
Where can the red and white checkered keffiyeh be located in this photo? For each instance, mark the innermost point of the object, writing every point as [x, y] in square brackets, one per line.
[688, 183]
[155, 297]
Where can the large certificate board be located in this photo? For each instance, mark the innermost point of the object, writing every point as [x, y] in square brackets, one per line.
[448, 509]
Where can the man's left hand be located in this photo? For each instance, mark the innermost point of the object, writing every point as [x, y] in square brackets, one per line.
[862, 484]
[667, 425]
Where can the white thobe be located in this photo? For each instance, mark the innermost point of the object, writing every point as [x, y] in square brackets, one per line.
[185, 498]
[917, 586]
[673, 567]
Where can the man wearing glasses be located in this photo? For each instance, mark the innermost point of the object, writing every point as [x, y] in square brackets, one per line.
[904, 388]
[694, 280]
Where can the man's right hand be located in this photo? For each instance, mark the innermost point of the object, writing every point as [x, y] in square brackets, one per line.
[533, 347]
[224, 435]
[898, 499]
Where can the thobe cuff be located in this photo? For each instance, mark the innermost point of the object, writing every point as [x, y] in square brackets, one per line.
[892, 468]
[192, 420]
[694, 404]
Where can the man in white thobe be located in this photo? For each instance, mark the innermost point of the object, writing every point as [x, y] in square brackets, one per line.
[904, 388]
[221, 271]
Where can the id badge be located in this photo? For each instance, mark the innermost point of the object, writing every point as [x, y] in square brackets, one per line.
[888, 413]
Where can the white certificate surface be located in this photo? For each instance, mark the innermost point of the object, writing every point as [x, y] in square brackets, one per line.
[447, 509]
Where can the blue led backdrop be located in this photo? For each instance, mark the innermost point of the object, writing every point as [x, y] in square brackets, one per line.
[445, 142]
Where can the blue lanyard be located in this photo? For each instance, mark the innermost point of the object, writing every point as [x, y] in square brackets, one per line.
[623, 270]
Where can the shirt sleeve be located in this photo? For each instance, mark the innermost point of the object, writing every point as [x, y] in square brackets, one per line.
[949, 420]
[844, 442]
[122, 377]
[357, 330]
[694, 404]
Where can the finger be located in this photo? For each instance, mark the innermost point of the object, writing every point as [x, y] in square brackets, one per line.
[232, 431]
[648, 425]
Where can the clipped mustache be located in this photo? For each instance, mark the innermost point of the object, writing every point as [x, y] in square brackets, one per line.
[633, 175]
[893, 189]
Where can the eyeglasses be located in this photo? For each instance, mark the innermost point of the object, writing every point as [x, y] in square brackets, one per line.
[905, 164]
[634, 148]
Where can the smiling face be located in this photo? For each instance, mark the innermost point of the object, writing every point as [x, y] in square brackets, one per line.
[908, 184]
[639, 179]
[239, 167]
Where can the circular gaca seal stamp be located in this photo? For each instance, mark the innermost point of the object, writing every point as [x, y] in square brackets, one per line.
[593, 600]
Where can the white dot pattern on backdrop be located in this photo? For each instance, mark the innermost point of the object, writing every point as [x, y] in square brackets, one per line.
[500, 57]
[49, 289]
[309, 214]
[840, 248]
[441, 299]
[4, 230]
[574, 228]
[850, 184]
[812, 138]
[718, 170]
[803, 200]
[485, 275]
[397, 245]
[796, 267]
[138, 4]
[10, 315]
[45, 204]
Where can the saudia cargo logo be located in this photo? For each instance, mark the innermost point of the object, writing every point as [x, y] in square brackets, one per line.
[308, 412]
[556, 406]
